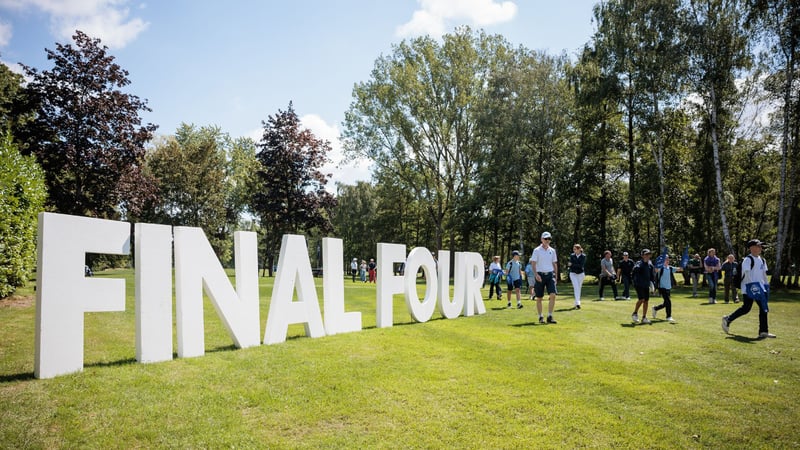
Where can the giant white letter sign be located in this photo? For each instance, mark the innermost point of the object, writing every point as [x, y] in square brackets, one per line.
[471, 276]
[336, 319]
[448, 309]
[388, 283]
[293, 264]
[63, 293]
[420, 257]
[153, 292]
[196, 268]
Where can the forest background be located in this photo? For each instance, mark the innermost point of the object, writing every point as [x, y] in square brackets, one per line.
[676, 126]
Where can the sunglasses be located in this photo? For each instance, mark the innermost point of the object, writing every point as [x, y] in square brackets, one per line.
[546, 239]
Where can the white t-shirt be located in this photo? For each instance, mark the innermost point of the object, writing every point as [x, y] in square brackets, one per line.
[753, 274]
[545, 259]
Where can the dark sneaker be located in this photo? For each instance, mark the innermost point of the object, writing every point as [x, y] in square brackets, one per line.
[541, 319]
[519, 305]
[550, 319]
[577, 306]
[509, 304]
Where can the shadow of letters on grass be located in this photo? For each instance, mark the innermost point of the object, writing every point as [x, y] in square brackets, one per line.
[64, 294]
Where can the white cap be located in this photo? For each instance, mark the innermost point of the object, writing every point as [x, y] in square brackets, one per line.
[546, 235]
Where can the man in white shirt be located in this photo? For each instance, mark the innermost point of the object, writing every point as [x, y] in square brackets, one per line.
[754, 271]
[544, 264]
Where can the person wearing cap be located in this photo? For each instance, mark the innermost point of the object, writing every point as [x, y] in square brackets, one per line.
[362, 271]
[514, 278]
[643, 275]
[544, 264]
[371, 268]
[577, 272]
[607, 275]
[354, 268]
[754, 271]
[495, 273]
[712, 266]
[666, 281]
[624, 273]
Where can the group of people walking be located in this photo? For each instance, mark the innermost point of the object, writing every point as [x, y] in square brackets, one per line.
[542, 274]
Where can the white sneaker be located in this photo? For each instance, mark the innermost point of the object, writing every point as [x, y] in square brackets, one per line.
[670, 320]
[645, 320]
[725, 324]
[766, 335]
[602, 298]
[635, 318]
[627, 298]
[654, 310]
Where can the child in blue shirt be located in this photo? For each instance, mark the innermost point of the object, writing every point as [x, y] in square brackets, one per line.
[666, 280]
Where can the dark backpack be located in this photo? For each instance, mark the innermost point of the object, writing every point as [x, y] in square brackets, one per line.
[737, 271]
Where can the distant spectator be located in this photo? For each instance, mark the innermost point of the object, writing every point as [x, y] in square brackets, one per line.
[695, 268]
[371, 270]
[495, 275]
[354, 268]
[625, 272]
[732, 277]
[712, 266]
[514, 278]
[362, 271]
[607, 275]
[577, 272]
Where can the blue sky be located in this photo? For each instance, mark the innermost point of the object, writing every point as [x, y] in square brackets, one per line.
[234, 63]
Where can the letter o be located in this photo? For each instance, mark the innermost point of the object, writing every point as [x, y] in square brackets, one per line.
[420, 257]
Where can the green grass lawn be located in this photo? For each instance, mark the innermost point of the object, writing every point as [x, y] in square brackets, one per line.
[492, 381]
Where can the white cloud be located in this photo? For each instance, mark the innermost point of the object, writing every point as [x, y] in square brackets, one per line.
[345, 170]
[105, 19]
[435, 14]
[5, 33]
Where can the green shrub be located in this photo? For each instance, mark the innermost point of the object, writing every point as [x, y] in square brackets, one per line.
[22, 196]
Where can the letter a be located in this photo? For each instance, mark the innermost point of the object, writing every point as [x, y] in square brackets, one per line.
[294, 267]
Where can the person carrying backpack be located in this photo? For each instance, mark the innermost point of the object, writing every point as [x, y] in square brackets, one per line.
[755, 289]
[666, 281]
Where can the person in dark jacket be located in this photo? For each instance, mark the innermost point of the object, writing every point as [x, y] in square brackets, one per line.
[643, 277]
[577, 269]
[625, 271]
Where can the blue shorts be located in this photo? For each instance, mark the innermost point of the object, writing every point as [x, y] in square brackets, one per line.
[547, 281]
[515, 284]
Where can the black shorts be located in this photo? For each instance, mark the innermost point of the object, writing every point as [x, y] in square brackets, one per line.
[547, 282]
[516, 284]
[643, 293]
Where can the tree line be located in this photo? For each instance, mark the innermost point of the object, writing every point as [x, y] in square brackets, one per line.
[676, 125]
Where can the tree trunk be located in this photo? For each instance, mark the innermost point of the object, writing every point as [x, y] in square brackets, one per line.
[658, 153]
[784, 212]
[718, 172]
[632, 182]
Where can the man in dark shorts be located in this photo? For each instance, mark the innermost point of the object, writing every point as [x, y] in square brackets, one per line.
[544, 264]
[643, 276]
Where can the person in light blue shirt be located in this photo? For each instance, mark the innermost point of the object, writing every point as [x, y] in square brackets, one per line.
[531, 277]
[666, 280]
[514, 278]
